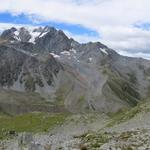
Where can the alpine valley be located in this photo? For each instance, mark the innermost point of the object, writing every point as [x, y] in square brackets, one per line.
[56, 93]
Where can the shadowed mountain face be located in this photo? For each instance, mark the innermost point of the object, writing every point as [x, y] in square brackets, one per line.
[64, 73]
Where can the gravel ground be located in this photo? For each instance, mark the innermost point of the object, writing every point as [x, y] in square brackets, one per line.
[90, 131]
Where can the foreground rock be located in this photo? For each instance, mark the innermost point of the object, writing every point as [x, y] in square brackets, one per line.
[93, 132]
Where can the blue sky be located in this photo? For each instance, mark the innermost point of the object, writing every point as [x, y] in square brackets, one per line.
[19, 19]
[144, 25]
[122, 25]
[23, 19]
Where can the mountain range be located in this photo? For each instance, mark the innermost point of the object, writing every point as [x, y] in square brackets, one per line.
[42, 69]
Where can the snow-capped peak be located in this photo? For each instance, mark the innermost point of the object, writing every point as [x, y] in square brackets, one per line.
[16, 35]
[34, 35]
[38, 33]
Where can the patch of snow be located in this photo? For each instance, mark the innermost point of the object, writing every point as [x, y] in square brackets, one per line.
[65, 53]
[34, 35]
[37, 33]
[43, 34]
[34, 54]
[12, 41]
[104, 50]
[74, 57]
[90, 59]
[17, 38]
[16, 33]
[73, 51]
[54, 55]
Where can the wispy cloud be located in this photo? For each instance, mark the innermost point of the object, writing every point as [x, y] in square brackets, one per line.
[120, 23]
[84, 38]
[5, 26]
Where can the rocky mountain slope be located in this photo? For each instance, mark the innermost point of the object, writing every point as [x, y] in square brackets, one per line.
[66, 74]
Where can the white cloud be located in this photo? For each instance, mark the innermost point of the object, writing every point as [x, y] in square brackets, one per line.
[84, 38]
[112, 19]
[126, 38]
[4, 26]
[92, 14]
[138, 55]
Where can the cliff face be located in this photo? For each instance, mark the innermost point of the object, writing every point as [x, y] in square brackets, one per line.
[78, 77]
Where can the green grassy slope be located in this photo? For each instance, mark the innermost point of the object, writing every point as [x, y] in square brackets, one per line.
[30, 122]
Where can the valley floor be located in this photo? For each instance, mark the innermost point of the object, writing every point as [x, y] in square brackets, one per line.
[126, 130]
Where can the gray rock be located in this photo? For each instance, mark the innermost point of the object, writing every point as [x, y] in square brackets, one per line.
[25, 139]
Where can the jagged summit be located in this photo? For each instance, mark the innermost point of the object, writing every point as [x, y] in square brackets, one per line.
[47, 39]
[29, 34]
